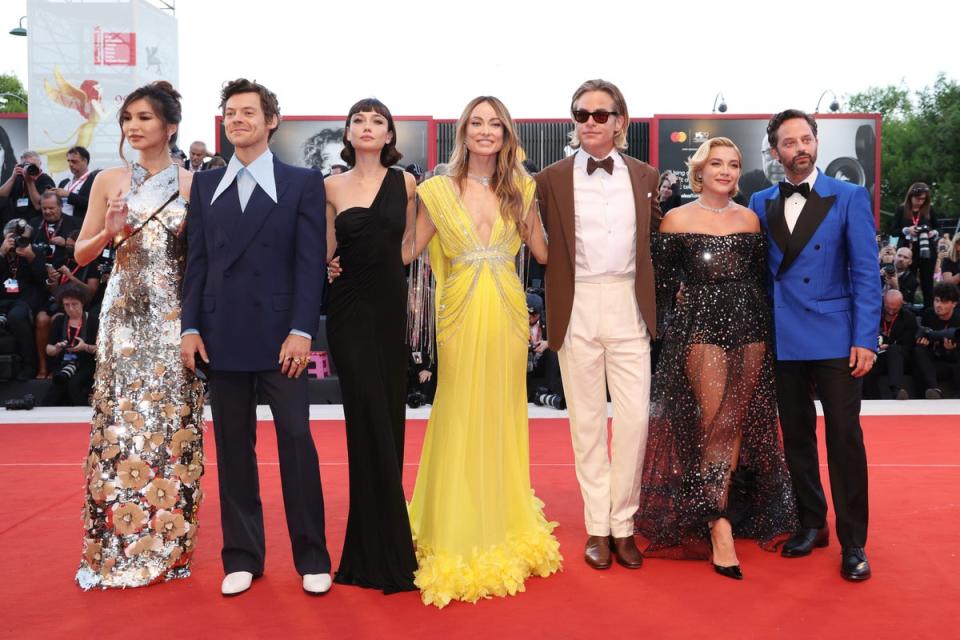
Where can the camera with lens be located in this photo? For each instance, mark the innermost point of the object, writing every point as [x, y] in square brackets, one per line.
[42, 250]
[543, 398]
[65, 372]
[18, 227]
[937, 336]
[923, 240]
[416, 399]
[26, 403]
[104, 269]
[889, 268]
[31, 169]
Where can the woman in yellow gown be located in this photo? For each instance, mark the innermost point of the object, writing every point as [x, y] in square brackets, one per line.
[479, 529]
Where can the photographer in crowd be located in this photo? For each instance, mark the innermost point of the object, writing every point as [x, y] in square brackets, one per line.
[544, 387]
[72, 348]
[915, 226]
[52, 228]
[421, 380]
[936, 352]
[897, 275]
[950, 263]
[23, 273]
[74, 192]
[25, 186]
[898, 331]
[87, 279]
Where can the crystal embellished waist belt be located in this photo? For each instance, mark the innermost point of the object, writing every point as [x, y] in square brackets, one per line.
[485, 255]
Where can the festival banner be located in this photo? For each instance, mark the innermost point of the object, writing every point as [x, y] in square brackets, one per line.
[84, 58]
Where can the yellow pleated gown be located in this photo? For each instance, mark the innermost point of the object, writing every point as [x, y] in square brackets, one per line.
[479, 529]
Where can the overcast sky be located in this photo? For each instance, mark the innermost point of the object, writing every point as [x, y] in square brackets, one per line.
[430, 57]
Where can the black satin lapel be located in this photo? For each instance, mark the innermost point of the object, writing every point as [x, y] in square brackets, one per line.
[777, 223]
[814, 211]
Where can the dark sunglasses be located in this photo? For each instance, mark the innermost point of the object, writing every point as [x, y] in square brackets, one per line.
[600, 117]
[919, 192]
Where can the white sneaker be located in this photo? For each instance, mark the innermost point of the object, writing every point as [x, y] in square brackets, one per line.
[317, 584]
[236, 583]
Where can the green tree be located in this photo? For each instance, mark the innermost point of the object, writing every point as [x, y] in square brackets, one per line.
[9, 83]
[920, 142]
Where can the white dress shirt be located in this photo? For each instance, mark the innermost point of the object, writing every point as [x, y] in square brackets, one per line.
[258, 172]
[606, 221]
[793, 205]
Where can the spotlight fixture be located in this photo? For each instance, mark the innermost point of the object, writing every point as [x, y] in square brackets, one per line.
[21, 30]
[834, 104]
[722, 107]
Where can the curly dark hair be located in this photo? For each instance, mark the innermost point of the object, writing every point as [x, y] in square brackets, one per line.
[268, 99]
[71, 290]
[779, 118]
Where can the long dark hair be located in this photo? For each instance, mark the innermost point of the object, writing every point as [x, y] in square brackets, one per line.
[389, 155]
[918, 187]
[165, 101]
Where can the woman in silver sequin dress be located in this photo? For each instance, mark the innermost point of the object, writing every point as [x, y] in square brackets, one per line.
[714, 465]
[145, 459]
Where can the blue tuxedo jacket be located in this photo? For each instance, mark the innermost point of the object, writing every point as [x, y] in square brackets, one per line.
[252, 276]
[823, 276]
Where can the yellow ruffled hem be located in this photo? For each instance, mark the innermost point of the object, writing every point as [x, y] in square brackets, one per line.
[499, 570]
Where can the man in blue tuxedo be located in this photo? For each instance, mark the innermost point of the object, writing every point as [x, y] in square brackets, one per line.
[826, 298]
[251, 301]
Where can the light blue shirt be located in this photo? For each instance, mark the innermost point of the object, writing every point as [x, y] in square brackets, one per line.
[258, 172]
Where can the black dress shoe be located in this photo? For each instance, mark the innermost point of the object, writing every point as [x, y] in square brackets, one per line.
[729, 572]
[805, 541]
[854, 566]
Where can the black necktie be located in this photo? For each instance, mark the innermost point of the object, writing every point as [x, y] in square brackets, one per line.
[787, 189]
[606, 164]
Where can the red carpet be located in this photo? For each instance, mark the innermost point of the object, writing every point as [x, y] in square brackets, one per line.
[915, 591]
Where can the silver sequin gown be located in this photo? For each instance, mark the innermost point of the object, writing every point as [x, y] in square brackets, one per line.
[146, 457]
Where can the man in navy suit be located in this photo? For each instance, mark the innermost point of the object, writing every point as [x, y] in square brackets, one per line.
[826, 299]
[251, 301]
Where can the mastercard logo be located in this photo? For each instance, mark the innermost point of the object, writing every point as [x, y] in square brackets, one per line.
[678, 136]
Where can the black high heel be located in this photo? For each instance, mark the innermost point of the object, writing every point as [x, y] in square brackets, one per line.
[729, 572]
[732, 572]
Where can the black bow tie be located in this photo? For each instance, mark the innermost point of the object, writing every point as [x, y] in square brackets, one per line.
[787, 189]
[606, 164]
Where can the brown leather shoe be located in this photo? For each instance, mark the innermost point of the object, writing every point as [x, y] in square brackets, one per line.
[627, 553]
[597, 552]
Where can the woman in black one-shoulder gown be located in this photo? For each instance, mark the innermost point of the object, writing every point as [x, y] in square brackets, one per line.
[366, 328]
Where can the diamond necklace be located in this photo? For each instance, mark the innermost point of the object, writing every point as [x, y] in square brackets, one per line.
[484, 180]
[714, 209]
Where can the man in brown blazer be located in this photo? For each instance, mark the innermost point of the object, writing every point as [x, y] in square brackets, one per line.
[599, 207]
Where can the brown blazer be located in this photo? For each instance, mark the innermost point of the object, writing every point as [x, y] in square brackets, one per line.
[555, 197]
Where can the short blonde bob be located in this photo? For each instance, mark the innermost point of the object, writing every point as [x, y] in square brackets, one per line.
[698, 161]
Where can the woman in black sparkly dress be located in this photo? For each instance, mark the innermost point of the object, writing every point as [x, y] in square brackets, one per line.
[370, 212]
[714, 465]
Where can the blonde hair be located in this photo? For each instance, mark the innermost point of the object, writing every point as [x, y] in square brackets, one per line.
[953, 253]
[619, 105]
[698, 161]
[507, 176]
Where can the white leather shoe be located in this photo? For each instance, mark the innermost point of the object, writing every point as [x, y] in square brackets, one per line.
[236, 583]
[317, 584]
